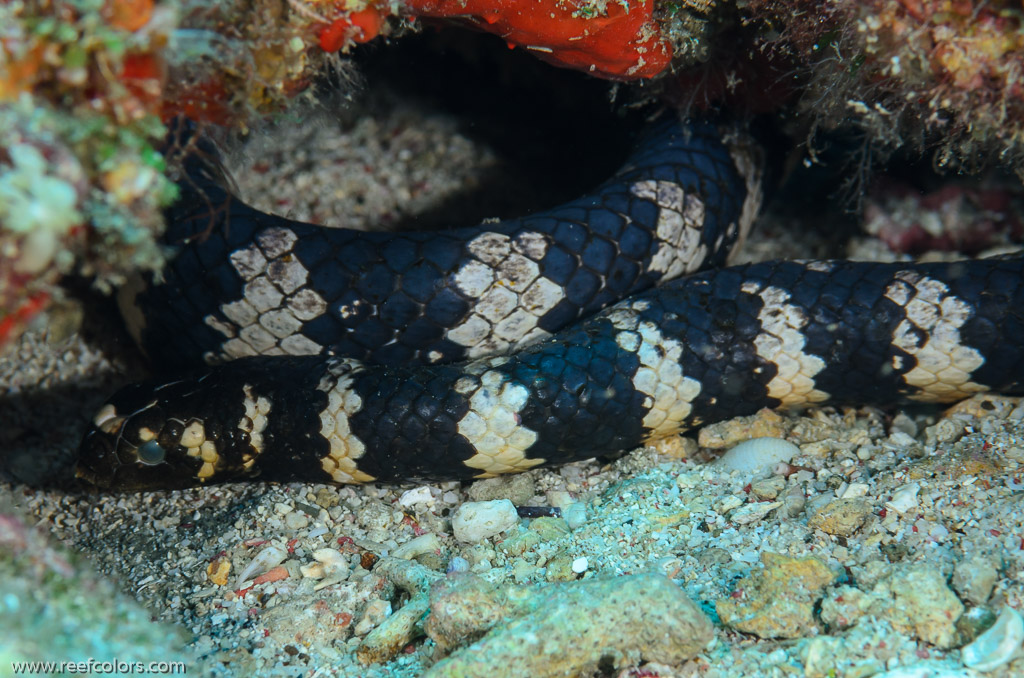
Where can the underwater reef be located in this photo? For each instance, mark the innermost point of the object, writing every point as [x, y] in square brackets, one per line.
[89, 91]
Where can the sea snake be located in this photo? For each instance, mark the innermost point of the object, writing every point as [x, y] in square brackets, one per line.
[350, 357]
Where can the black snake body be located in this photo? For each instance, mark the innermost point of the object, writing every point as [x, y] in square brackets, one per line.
[384, 316]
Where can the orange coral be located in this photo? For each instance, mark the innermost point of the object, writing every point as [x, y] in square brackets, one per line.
[361, 26]
[622, 43]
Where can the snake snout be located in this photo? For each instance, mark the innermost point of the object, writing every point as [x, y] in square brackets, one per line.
[133, 443]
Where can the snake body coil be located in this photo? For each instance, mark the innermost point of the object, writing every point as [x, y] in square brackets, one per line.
[387, 307]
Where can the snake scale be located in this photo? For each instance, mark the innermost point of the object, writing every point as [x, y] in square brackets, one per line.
[350, 357]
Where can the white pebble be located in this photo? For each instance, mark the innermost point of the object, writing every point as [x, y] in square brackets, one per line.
[425, 543]
[329, 563]
[854, 490]
[904, 498]
[757, 455]
[998, 645]
[580, 565]
[417, 495]
[333, 565]
[900, 440]
[312, 571]
[477, 520]
[296, 520]
[751, 513]
[332, 559]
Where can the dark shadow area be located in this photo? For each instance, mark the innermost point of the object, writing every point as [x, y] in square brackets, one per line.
[37, 447]
[557, 133]
[43, 425]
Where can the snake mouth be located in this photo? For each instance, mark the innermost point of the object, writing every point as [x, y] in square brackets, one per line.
[100, 465]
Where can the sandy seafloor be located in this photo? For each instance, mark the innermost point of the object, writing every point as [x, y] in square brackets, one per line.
[913, 519]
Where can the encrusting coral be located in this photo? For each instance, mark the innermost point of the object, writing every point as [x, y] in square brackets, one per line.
[946, 75]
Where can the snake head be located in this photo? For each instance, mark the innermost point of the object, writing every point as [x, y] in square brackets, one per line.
[155, 435]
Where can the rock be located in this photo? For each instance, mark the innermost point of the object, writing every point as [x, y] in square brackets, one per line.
[985, 405]
[425, 543]
[778, 601]
[475, 521]
[914, 599]
[841, 517]
[518, 488]
[416, 496]
[521, 541]
[766, 423]
[218, 571]
[549, 529]
[922, 604]
[559, 568]
[575, 514]
[387, 640]
[331, 567]
[870, 573]
[296, 520]
[563, 629]
[753, 512]
[326, 498]
[904, 424]
[973, 623]
[854, 490]
[768, 488]
[793, 502]
[944, 431]
[678, 447]
[844, 607]
[974, 578]
[727, 503]
[830, 656]
[714, 556]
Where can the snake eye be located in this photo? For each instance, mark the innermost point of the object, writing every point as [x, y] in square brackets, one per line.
[151, 453]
